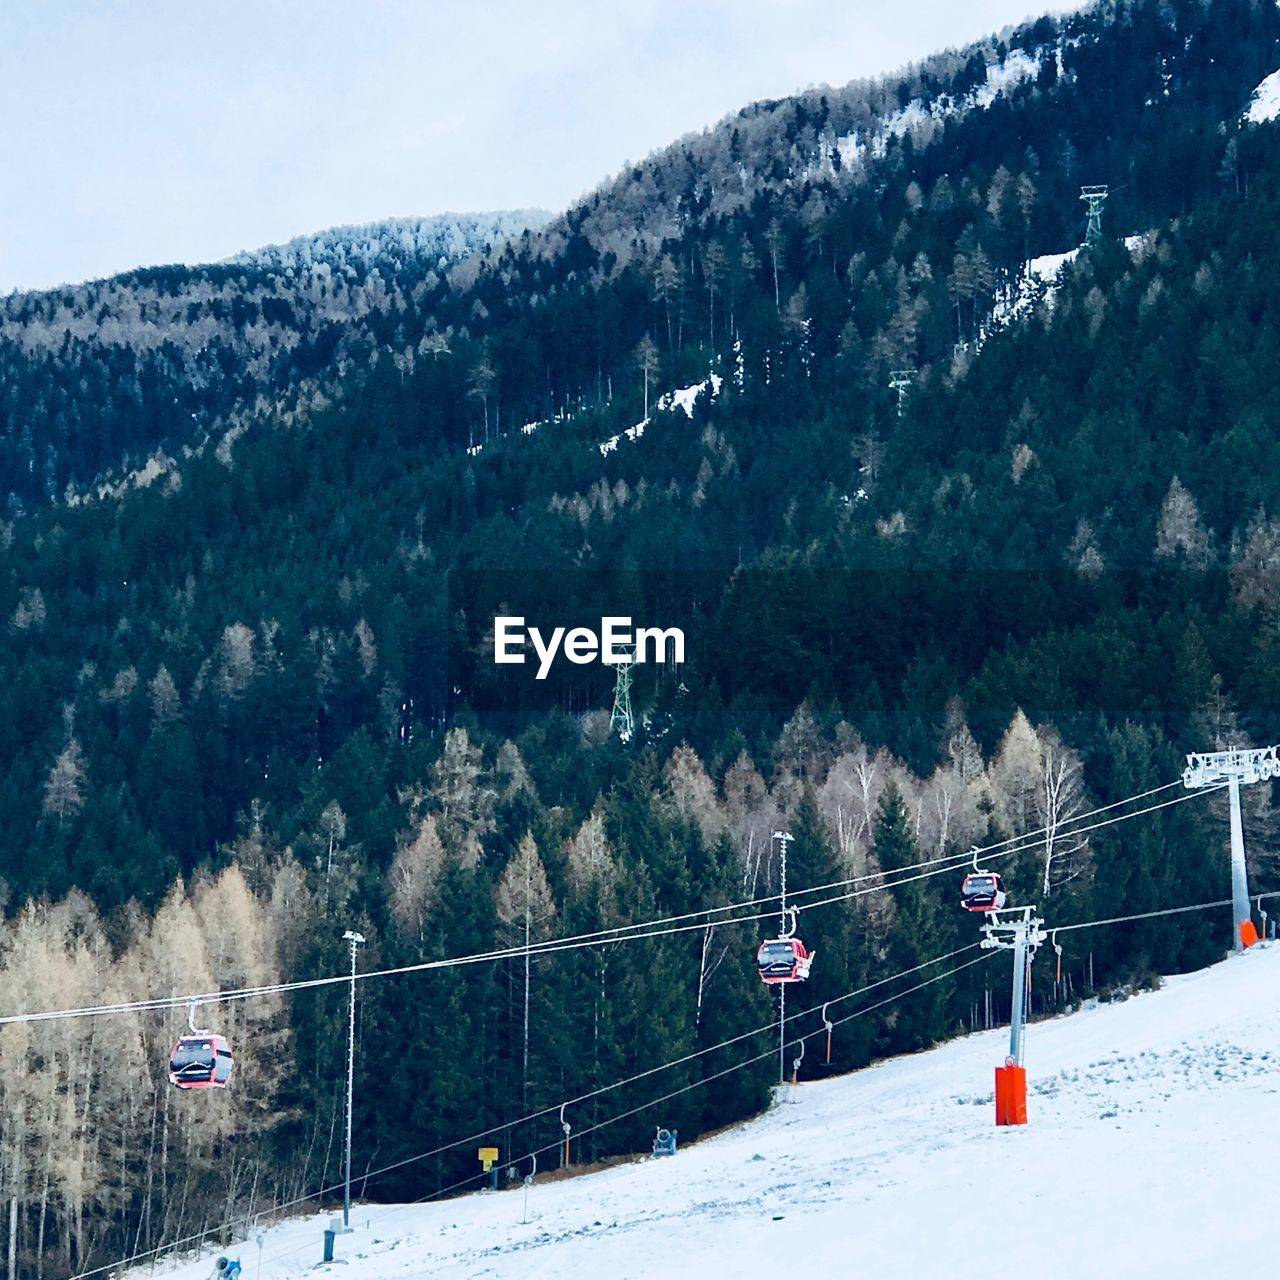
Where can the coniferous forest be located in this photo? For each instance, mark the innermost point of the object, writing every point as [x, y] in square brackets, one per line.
[249, 571]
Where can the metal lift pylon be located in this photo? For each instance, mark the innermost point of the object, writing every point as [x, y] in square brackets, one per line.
[1021, 932]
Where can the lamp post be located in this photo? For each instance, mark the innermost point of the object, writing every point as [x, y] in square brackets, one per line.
[783, 838]
[354, 940]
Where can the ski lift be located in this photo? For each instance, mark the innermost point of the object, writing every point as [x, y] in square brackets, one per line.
[201, 1060]
[982, 890]
[785, 958]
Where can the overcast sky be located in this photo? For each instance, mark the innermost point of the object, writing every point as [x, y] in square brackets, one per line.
[146, 131]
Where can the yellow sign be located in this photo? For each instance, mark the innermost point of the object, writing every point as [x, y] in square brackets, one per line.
[488, 1157]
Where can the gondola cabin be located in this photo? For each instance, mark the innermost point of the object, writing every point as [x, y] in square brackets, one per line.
[982, 891]
[783, 960]
[201, 1061]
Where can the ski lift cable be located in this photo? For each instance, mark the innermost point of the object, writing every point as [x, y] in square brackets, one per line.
[769, 1053]
[550, 947]
[667, 1097]
[770, 1026]
[1146, 915]
[399, 1164]
[622, 933]
[1088, 924]
[618, 1084]
[639, 932]
[964, 859]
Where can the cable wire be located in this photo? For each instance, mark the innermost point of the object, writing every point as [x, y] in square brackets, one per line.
[483, 1133]
[675, 1093]
[626, 933]
[1142, 915]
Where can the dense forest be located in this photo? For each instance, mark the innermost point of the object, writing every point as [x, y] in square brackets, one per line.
[105, 384]
[251, 704]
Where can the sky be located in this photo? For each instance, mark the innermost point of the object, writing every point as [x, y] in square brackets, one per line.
[144, 131]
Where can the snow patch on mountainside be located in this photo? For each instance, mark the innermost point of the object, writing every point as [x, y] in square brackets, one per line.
[686, 397]
[1039, 282]
[1142, 1155]
[1001, 76]
[919, 115]
[1265, 104]
[683, 398]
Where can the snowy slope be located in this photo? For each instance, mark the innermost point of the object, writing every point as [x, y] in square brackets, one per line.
[922, 117]
[1144, 1157]
[1265, 103]
[1038, 281]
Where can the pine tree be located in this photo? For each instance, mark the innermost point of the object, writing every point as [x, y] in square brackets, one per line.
[915, 934]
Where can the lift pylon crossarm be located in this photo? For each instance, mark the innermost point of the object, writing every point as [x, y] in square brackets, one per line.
[1248, 764]
[1005, 934]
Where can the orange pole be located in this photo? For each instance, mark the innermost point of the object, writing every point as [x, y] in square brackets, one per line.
[828, 1046]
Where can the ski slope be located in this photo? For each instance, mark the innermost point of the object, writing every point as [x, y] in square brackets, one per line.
[1152, 1128]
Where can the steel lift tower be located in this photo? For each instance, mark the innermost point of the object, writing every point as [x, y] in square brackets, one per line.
[1214, 769]
[1094, 198]
[621, 721]
[900, 381]
[1022, 932]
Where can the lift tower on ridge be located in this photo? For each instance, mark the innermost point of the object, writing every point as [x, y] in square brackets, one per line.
[621, 720]
[900, 381]
[1094, 198]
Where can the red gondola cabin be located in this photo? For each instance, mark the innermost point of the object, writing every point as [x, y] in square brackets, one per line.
[982, 891]
[784, 960]
[201, 1061]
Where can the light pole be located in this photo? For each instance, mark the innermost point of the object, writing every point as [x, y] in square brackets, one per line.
[354, 939]
[783, 838]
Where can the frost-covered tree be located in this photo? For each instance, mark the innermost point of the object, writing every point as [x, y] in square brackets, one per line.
[1180, 533]
[64, 788]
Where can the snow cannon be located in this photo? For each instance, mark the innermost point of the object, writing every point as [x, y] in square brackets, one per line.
[664, 1142]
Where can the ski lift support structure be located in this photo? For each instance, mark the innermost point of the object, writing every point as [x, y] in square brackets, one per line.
[1234, 768]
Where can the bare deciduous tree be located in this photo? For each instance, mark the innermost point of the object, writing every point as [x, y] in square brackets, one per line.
[523, 901]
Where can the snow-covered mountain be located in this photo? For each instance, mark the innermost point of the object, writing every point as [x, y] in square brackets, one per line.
[173, 356]
[1141, 1159]
[395, 242]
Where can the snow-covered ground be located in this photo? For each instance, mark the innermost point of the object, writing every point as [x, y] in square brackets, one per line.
[1038, 283]
[1265, 104]
[681, 398]
[1148, 1152]
[925, 115]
